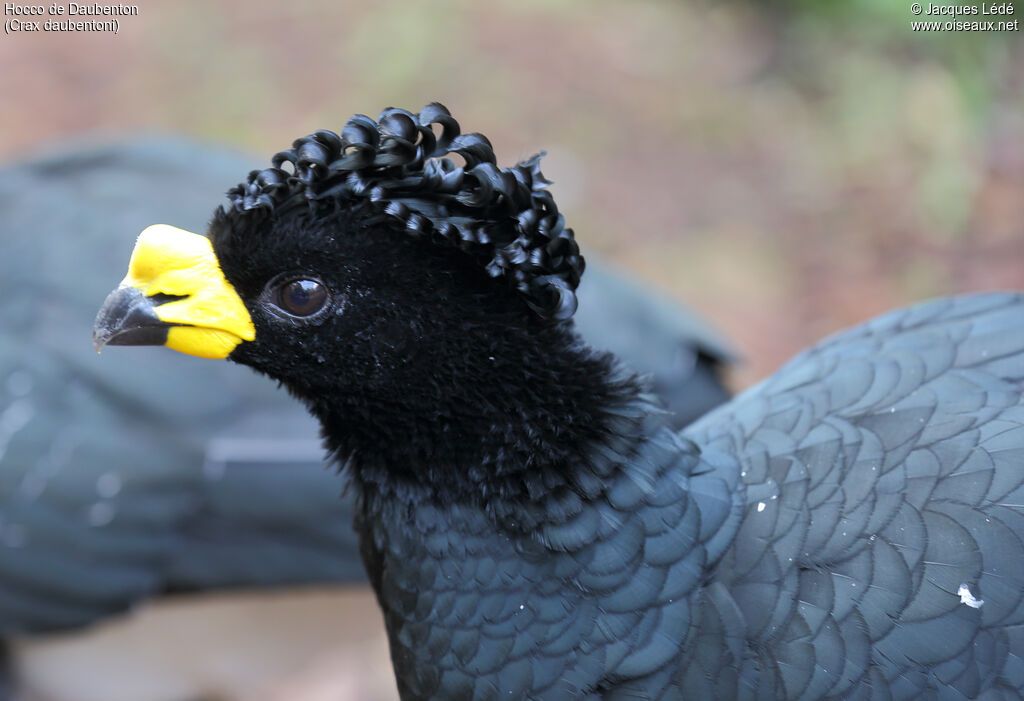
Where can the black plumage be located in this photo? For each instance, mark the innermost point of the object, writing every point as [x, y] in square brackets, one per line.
[222, 482]
[533, 526]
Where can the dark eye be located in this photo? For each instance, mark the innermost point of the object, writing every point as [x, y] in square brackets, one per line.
[301, 297]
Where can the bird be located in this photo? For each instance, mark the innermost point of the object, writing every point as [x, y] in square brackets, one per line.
[532, 525]
[223, 485]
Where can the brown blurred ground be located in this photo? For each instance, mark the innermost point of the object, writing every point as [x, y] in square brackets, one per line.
[783, 170]
[312, 644]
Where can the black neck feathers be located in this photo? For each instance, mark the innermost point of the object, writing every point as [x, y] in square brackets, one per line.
[431, 378]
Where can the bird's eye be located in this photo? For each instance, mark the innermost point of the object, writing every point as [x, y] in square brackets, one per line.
[302, 297]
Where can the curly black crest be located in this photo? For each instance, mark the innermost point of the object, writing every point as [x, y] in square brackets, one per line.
[504, 217]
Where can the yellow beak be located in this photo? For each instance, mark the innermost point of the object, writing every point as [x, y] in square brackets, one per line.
[175, 294]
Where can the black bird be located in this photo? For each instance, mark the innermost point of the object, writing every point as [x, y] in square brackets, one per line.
[222, 484]
[850, 528]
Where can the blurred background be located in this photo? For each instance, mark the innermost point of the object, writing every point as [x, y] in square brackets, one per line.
[785, 168]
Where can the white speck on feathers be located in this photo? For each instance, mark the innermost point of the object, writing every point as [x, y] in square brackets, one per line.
[967, 598]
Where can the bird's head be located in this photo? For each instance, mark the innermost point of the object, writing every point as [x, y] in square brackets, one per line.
[415, 303]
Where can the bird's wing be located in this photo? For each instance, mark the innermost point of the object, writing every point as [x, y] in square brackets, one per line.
[881, 547]
[271, 513]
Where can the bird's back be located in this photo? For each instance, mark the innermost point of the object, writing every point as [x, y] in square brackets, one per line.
[880, 553]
